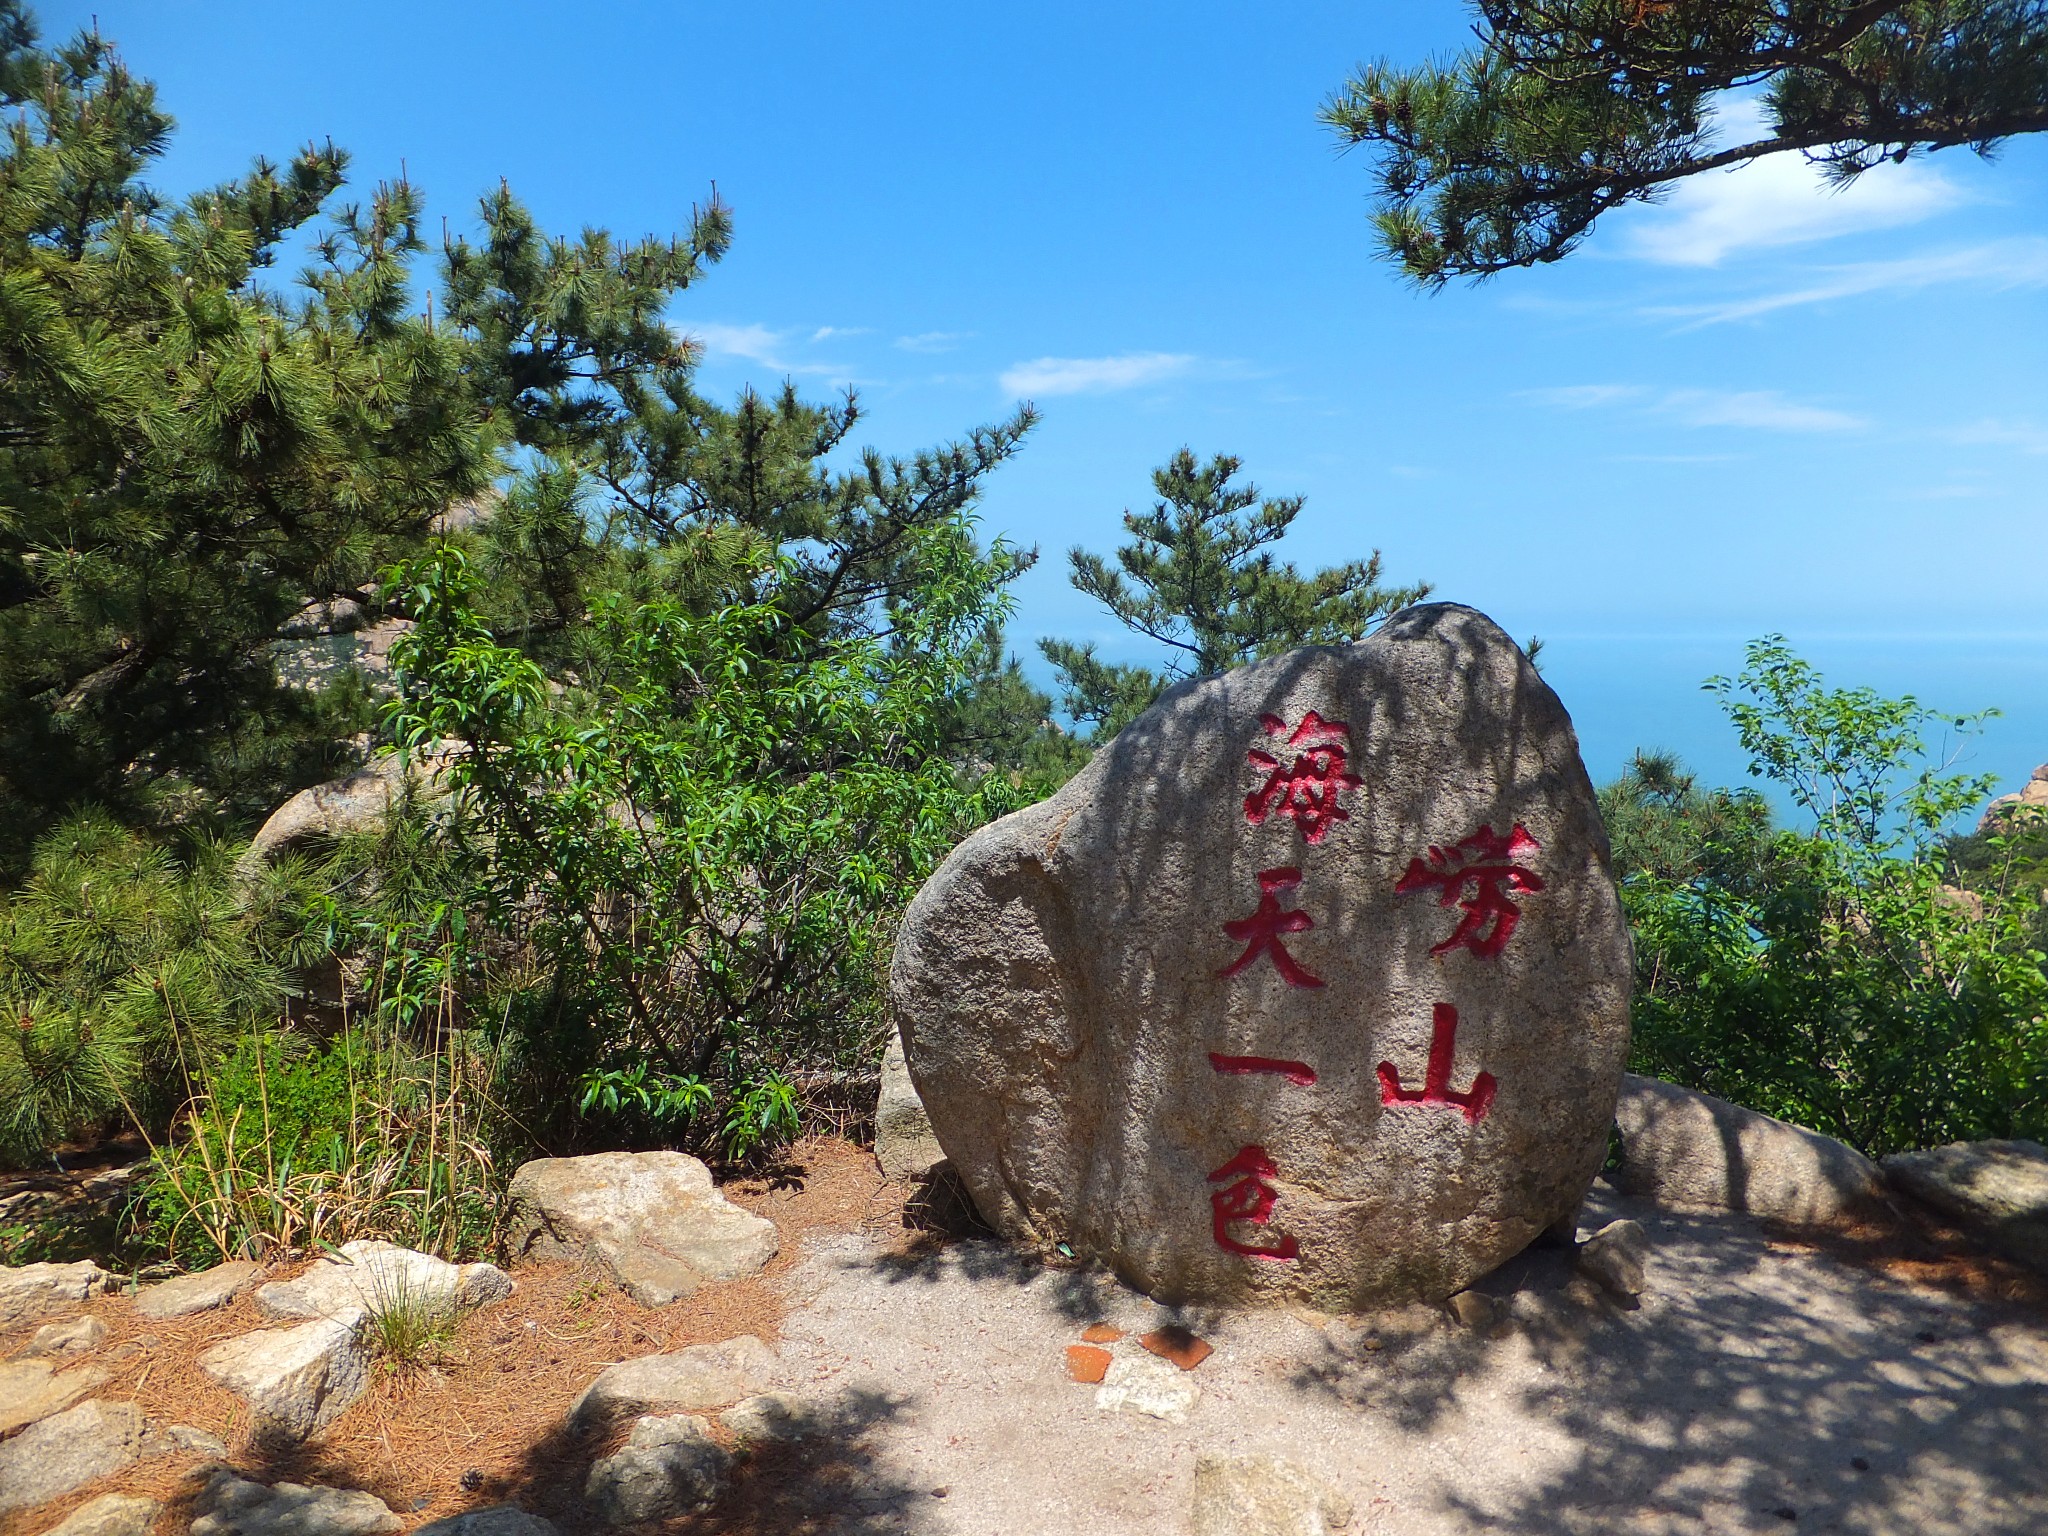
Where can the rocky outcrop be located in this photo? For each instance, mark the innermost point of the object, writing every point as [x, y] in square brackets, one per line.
[1311, 987]
[904, 1143]
[2033, 793]
[652, 1218]
[299, 1380]
[1997, 1190]
[68, 1450]
[702, 1376]
[33, 1289]
[1690, 1151]
[669, 1466]
[187, 1294]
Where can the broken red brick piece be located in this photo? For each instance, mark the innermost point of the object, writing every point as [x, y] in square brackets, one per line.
[1102, 1333]
[1086, 1363]
[1174, 1343]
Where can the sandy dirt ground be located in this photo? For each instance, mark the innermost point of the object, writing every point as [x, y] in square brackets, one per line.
[1760, 1386]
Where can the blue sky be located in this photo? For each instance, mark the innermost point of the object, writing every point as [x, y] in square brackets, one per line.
[1762, 407]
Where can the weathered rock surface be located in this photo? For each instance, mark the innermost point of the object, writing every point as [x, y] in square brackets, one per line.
[2033, 793]
[904, 1143]
[1148, 1385]
[1997, 1189]
[498, 1520]
[1263, 1496]
[1109, 1066]
[299, 1380]
[359, 802]
[653, 1218]
[768, 1416]
[669, 1466]
[702, 1376]
[68, 1450]
[72, 1336]
[1693, 1152]
[233, 1506]
[111, 1514]
[35, 1389]
[372, 1277]
[186, 1294]
[184, 1440]
[1617, 1256]
[32, 1289]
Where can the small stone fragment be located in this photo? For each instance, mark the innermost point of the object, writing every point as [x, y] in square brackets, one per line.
[32, 1289]
[768, 1416]
[1101, 1333]
[1144, 1384]
[1475, 1309]
[1615, 1256]
[1178, 1345]
[1263, 1496]
[669, 1466]
[34, 1389]
[186, 1294]
[73, 1336]
[232, 1506]
[1087, 1364]
[298, 1379]
[702, 1376]
[111, 1514]
[68, 1450]
[498, 1520]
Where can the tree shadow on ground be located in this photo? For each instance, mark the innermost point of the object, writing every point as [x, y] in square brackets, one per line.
[1763, 1385]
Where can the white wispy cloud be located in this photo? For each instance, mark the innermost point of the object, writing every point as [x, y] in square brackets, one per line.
[1765, 410]
[933, 341]
[760, 344]
[827, 332]
[2000, 265]
[2026, 436]
[1094, 375]
[1782, 199]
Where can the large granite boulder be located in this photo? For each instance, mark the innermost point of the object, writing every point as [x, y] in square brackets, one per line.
[1312, 986]
[1998, 1190]
[1690, 1151]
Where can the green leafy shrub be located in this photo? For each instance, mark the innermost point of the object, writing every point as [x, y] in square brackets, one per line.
[1834, 976]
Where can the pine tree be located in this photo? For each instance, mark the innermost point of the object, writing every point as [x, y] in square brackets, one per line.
[1201, 579]
[1506, 155]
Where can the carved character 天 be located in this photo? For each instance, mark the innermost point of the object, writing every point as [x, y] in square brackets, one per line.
[1485, 865]
[1262, 931]
[1306, 789]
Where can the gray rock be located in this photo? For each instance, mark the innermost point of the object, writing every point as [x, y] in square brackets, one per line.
[768, 1416]
[186, 1294]
[359, 802]
[1617, 1256]
[1148, 1385]
[498, 1520]
[669, 1466]
[299, 1380]
[1114, 1058]
[233, 1506]
[1997, 1189]
[33, 1289]
[185, 1440]
[111, 1514]
[34, 1389]
[1693, 1152]
[904, 1143]
[653, 1218]
[72, 1336]
[1263, 1496]
[68, 1450]
[702, 1376]
[1475, 1309]
[373, 1277]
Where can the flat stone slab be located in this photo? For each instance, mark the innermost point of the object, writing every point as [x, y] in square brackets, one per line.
[72, 1336]
[34, 1389]
[111, 1514]
[299, 1380]
[702, 1376]
[184, 1295]
[31, 1289]
[68, 1450]
[653, 1218]
[234, 1506]
[372, 1277]
[1263, 1496]
[1997, 1189]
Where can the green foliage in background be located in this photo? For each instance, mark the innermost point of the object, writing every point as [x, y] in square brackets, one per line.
[1505, 155]
[1835, 976]
[1201, 579]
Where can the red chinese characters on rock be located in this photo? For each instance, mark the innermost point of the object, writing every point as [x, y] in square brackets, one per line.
[1436, 1081]
[1485, 865]
[1305, 790]
[1262, 931]
[1247, 1196]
